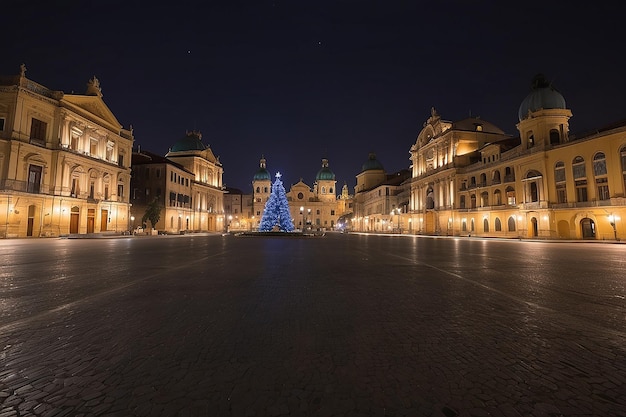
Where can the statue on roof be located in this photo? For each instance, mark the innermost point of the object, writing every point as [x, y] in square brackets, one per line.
[23, 70]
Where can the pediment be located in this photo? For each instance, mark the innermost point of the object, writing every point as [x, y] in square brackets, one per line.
[92, 108]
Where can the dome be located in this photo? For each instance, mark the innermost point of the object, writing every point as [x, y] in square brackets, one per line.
[262, 174]
[191, 142]
[325, 173]
[372, 163]
[542, 96]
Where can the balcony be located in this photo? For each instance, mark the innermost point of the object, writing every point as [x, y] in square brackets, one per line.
[24, 187]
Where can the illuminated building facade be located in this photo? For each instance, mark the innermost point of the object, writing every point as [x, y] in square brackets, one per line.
[64, 162]
[317, 208]
[469, 178]
[187, 184]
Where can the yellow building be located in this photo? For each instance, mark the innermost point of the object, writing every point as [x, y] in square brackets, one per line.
[469, 178]
[316, 208]
[380, 200]
[187, 184]
[64, 162]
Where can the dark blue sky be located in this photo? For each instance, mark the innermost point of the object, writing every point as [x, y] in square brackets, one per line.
[298, 80]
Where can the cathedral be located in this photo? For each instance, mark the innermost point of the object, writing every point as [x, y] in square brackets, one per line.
[316, 208]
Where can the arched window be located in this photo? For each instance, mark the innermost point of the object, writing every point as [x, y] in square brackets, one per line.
[323, 190]
[464, 225]
[580, 178]
[600, 172]
[559, 179]
[483, 180]
[258, 189]
[510, 196]
[496, 177]
[530, 139]
[533, 179]
[473, 201]
[498, 225]
[330, 190]
[472, 225]
[509, 174]
[484, 199]
[485, 225]
[511, 224]
[462, 202]
[497, 198]
[555, 137]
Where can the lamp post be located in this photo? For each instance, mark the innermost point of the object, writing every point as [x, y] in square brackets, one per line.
[612, 220]
[230, 219]
[302, 214]
[399, 212]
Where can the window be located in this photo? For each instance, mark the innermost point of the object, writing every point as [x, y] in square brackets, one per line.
[93, 147]
[484, 199]
[555, 137]
[323, 190]
[75, 190]
[600, 172]
[106, 191]
[109, 152]
[38, 130]
[498, 225]
[318, 212]
[531, 140]
[300, 196]
[510, 196]
[497, 198]
[120, 160]
[330, 190]
[34, 178]
[332, 212]
[158, 172]
[580, 178]
[496, 177]
[559, 178]
[486, 225]
[2, 120]
[92, 187]
[462, 202]
[511, 224]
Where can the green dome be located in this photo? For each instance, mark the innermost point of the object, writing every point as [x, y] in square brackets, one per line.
[262, 174]
[372, 164]
[325, 173]
[542, 96]
[191, 142]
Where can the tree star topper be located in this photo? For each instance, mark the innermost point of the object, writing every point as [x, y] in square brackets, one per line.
[278, 175]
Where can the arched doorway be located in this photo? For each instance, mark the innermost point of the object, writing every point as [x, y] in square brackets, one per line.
[535, 227]
[588, 228]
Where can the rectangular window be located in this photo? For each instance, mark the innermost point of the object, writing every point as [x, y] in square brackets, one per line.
[38, 130]
[75, 187]
[92, 187]
[106, 191]
[34, 178]
[561, 193]
[581, 191]
[93, 147]
[603, 189]
[2, 123]
[120, 160]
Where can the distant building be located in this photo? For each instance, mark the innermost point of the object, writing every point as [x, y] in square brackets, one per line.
[64, 162]
[187, 184]
[380, 199]
[238, 210]
[469, 178]
[311, 208]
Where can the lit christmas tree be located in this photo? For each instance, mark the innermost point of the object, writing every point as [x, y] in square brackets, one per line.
[277, 210]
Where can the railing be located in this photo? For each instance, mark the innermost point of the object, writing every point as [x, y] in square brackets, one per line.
[24, 186]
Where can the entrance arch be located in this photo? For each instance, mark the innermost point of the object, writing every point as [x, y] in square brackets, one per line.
[588, 228]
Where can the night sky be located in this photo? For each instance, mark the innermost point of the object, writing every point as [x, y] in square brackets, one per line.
[298, 81]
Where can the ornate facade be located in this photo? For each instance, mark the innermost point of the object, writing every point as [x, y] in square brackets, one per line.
[187, 184]
[469, 178]
[317, 208]
[64, 162]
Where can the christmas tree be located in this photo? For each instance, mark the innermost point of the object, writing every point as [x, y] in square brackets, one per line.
[277, 209]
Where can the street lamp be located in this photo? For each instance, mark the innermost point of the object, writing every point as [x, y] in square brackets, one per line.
[230, 219]
[612, 220]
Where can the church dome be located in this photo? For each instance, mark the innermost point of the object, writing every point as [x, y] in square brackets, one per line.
[372, 163]
[542, 96]
[191, 142]
[262, 174]
[325, 173]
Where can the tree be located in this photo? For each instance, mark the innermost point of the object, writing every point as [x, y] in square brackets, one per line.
[153, 213]
[276, 211]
